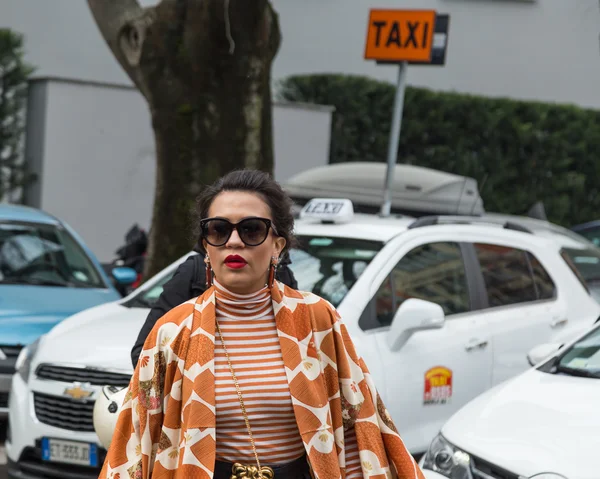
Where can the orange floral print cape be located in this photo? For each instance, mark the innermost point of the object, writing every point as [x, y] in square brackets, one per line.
[166, 427]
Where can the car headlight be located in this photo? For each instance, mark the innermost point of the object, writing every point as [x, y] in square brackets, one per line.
[447, 460]
[23, 364]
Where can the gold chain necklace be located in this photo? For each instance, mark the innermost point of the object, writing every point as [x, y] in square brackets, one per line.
[239, 470]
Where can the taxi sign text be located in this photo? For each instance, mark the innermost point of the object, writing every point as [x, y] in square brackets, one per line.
[324, 207]
[328, 209]
[400, 35]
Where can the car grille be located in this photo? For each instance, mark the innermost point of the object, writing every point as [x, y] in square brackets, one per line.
[11, 351]
[7, 366]
[95, 377]
[64, 413]
[485, 470]
[67, 413]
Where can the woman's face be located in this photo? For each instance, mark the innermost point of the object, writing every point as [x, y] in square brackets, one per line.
[240, 268]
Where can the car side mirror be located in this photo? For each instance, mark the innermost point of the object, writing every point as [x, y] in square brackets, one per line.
[124, 276]
[541, 352]
[414, 315]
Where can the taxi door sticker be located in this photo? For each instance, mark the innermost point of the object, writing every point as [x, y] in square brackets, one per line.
[438, 386]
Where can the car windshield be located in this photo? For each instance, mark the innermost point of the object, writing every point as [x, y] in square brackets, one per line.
[583, 358]
[43, 254]
[147, 297]
[592, 233]
[585, 263]
[329, 266]
[560, 231]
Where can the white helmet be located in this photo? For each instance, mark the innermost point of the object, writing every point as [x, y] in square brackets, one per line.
[106, 412]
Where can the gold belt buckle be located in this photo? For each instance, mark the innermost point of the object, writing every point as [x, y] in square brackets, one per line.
[239, 471]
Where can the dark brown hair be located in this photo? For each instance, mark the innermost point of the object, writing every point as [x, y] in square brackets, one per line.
[251, 181]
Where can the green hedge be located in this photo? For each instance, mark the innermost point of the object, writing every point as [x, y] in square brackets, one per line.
[524, 151]
[14, 73]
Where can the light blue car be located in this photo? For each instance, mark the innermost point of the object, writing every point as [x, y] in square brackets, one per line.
[47, 273]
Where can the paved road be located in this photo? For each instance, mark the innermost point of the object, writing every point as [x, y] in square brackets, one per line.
[2, 463]
[2, 453]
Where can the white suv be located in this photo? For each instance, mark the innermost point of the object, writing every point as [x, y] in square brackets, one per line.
[440, 313]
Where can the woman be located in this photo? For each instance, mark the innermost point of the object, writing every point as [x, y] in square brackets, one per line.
[188, 282]
[252, 379]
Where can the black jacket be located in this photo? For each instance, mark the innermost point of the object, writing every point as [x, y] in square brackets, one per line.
[189, 281]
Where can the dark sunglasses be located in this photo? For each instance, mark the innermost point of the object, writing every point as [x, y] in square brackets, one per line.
[252, 231]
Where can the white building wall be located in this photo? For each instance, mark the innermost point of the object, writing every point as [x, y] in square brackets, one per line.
[98, 162]
[531, 49]
[301, 137]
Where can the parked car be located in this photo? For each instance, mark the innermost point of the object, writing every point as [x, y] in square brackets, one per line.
[538, 226]
[542, 424]
[59, 377]
[440, 311]
[46, 274]
[590, 230]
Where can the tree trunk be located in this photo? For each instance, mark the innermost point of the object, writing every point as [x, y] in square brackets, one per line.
[204, 67]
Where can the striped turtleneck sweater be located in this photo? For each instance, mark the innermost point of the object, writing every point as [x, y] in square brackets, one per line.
[247, 323]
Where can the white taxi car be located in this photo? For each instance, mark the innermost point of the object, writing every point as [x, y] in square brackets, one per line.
[543, 424]
[440, 313]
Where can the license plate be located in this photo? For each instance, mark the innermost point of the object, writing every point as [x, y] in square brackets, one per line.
[69, 452]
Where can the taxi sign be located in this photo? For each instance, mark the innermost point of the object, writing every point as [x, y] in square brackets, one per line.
[334, 210]
[400, 35]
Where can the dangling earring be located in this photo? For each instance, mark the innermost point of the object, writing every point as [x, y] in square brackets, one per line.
[272, 270]
[209, 272]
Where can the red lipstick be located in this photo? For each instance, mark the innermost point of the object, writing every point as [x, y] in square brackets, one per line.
[235, 261]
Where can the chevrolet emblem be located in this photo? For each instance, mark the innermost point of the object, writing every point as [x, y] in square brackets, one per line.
[78, 393]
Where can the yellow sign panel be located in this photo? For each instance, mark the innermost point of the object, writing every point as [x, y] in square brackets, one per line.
[400, 35]
[438, 386]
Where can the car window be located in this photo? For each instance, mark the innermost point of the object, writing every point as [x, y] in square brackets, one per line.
[545, 287]
[329, 266]
[512, 276]
[146, 297]
[433, 272]
[585, 263]
[584, 355]
[41, 254]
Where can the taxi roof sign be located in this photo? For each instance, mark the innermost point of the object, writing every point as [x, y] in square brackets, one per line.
[334, 210]
[400, 35]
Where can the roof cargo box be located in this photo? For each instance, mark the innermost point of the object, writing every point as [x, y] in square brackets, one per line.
[416, 190]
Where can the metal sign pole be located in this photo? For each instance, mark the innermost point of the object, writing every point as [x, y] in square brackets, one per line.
[386, 207]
